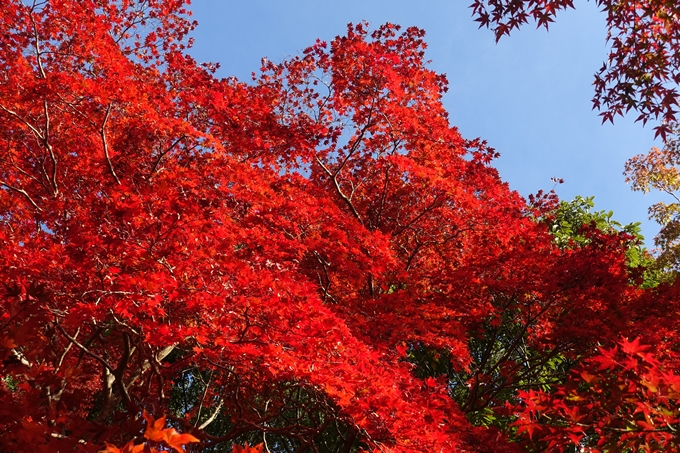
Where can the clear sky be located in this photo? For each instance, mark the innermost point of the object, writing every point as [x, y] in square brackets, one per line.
[529, 95]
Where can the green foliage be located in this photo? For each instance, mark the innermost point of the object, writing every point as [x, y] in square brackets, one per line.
[10, 382]
[197, 396]
[571, 216]
[502, 363]
[568, 226]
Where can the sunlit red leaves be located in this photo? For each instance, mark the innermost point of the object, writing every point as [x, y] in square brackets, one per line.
[293, 236]
[620, 398]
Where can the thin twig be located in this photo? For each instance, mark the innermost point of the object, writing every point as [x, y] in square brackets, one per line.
[22, 192]
[102, 133]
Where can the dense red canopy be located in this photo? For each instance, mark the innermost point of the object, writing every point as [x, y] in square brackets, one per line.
[262, 262]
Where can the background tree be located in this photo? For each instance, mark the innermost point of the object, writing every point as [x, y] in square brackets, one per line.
[658, 169]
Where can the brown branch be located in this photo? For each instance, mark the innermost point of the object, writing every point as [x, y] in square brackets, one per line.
[45, 137]
[338, 189]
[22, 192]
[50, 150]
[68, 348]
[24, 172]
[349, 441]
[353, 148]
[205, 393]
[42, 138]
[437, 203]
[213, 416]
[163, 154]
[326, 286]
[383, 197]
[84, 349]
[102, 134]
[38, 53]
[33, 129]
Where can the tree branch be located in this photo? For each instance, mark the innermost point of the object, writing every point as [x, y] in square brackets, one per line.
[102, 134]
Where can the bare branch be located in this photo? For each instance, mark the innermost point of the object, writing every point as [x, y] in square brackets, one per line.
[213, 416]
[99, 359]
[48, 146]
[339, 190]
[33, 129]
[68, 348]
[163, 154]
[36, 43]
[102, 133]
[22, 192]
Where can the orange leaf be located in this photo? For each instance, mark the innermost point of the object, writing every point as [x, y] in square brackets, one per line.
[177, 441]
[247, 449]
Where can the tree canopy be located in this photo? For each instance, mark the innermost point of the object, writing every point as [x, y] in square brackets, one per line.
[313, 262]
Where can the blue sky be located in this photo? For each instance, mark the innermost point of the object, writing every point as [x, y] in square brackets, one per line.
[529, 95]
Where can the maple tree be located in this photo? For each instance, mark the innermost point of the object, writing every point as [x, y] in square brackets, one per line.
[202, 264]
[642, 70]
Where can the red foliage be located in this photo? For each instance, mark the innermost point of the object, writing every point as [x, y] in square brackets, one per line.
[254, 262]
[619, 400]
[248, 449]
